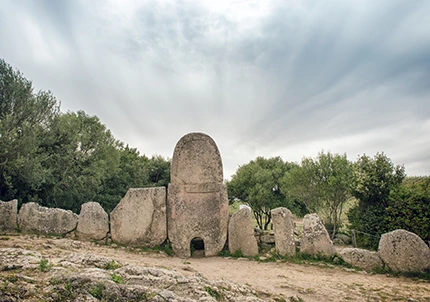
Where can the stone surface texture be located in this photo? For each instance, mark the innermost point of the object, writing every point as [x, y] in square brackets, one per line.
[140, 218]
[283, 227]
[197, 203]
[365, 259]
[241, 233]
[404, 251]
[93, 223]
[89, 275]
[315, 239]
[8, 215]
[33, 218]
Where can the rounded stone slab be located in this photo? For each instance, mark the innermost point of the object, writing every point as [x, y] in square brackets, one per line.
[404, 251]
[140, 217]
[8, 215]
[197, 203]
[93, 223]
[316, 239]
[241, 233]
[33, 218]
[196, 159]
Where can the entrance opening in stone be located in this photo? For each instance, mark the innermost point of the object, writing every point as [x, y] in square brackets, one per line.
[197, 247]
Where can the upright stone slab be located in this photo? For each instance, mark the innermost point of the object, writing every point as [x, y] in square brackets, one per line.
[93, 223]
[283, 226]
[316, 239]
[8, 215]
[241, 233]
[197, 203]
[140, 218]
[33, 218]
[404, 251]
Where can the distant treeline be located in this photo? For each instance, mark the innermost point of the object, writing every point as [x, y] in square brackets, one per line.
[375, 193]
[64, 159]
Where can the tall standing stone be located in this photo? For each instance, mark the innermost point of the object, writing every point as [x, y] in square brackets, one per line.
[241, 233]
[8, 215]
[197, 204]
[140, 218]
[33, 218]
[283, 227]
[93, 222]
[404, 251]
[316, 239]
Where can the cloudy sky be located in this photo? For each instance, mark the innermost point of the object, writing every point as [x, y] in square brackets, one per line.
[263, 78]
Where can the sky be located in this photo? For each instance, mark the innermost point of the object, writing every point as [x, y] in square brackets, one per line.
[265, 78]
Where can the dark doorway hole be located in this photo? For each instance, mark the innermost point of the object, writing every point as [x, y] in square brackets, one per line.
[197, 247]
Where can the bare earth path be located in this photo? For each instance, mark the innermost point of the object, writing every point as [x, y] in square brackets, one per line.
[308, 282]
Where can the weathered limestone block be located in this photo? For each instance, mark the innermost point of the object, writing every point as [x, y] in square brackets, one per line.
[283, 226]
[404, 251]
[140, 217]
[8, 215]
[241, 233]
[316, 239]
[33, 218]
[197, 203]
[365, 259]
[93, 223]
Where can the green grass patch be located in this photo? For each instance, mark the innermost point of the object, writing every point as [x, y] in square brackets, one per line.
[213, 293]
[165, 247]
[112, 265]
[118, 279]
[44, 265]
[236, 254]
[411, 275]
[97, 291]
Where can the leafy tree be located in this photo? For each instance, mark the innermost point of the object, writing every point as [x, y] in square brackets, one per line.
[131, 172]
[81, 155]
[25, 117]
[323, 184]
[158, 171]
[409, 208]
[64, 159]
[257, 184]
[375, 179]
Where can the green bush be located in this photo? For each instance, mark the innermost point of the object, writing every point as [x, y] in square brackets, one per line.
[410, 209]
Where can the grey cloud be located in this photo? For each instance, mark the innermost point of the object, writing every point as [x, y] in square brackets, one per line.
[306, 76]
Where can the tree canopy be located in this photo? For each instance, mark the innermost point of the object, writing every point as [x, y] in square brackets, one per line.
[323, 184]
[64, 159]
[374, 180]
[258, 185]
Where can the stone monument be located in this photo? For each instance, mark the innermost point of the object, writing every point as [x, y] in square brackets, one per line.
[197, 203]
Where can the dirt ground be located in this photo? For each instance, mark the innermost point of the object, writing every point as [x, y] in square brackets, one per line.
[309, 282]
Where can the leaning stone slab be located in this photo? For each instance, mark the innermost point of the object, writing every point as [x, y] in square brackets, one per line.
[365, 259]
[316, 239]
[140, 218]
[93, 223]
[241, 233]
[8, 215]
[283, 226]
[33, 218]
[404, 251]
